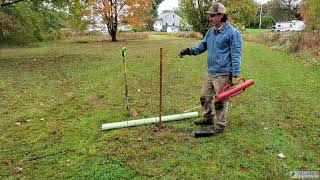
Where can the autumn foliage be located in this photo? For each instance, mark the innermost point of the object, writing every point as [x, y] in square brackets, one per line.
[310, 12]
[138, 11]
[133, 12]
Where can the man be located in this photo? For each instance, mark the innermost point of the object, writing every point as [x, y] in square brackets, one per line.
[224, 45]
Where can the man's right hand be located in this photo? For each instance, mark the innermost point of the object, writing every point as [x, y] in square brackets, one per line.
[233, 80]
[184, 52]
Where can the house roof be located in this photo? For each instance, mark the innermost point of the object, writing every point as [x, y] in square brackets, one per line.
[163, 15]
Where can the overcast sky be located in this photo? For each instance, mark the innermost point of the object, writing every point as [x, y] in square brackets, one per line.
[171, 4]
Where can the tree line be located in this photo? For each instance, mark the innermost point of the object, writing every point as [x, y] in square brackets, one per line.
[27, 21]
[246, 13]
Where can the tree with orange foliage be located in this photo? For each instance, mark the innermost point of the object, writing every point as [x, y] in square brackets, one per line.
[132, 12]
[138, 12]
[310, 12]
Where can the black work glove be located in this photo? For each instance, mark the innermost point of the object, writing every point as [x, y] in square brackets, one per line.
[184, 52]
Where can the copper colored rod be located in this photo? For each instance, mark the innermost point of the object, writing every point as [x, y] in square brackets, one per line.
[160, 114]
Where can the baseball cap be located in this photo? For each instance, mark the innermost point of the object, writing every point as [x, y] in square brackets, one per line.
[216, 8]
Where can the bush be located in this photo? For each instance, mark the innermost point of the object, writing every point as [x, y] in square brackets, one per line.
[187, 34]
[132, 35]
[54, 34]
[29, 25]
[138, 29]
[292, 42]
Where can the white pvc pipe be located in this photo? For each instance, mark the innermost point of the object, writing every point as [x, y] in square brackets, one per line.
[148, 121]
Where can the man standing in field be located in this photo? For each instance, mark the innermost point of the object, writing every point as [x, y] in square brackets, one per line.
[224, 45]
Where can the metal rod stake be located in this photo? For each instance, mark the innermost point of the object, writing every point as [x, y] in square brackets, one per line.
[160, 109]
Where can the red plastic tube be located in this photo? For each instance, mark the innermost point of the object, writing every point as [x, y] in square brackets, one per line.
[228, 91]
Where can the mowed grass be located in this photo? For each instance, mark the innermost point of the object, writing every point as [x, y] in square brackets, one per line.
[254, 31]
[55, 97]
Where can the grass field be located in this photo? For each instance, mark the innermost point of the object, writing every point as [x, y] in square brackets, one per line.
[254, 31]
[55, 97]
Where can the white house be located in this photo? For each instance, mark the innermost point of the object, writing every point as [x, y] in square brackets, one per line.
[294, 25]
[124, 27]
[167, 21]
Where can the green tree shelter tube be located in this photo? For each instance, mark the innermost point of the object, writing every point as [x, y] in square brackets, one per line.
[138, 122]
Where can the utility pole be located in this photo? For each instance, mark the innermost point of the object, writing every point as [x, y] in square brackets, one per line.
[260, 16]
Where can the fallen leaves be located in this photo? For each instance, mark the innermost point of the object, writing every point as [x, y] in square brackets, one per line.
[281, 155]
[135, 113]
[18, 123]
[11, 167]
